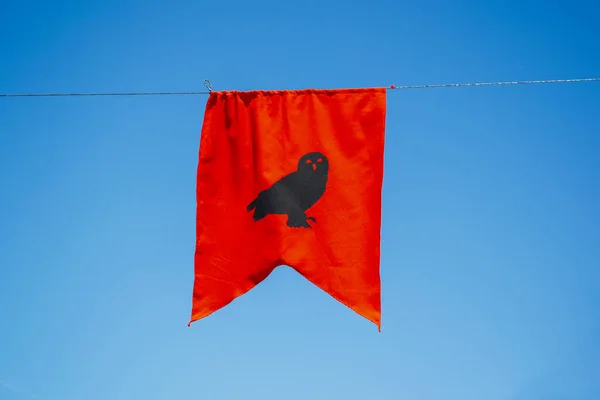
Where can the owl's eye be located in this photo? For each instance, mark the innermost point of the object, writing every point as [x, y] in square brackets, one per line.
[308, 161]
[320, 160]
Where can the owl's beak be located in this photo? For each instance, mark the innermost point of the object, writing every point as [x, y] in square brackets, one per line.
[315, 167]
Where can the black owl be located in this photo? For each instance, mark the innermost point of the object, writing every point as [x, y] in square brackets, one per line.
[294, 193]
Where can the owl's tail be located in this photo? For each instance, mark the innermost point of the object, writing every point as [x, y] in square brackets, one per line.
[252, 205]
[259, 209]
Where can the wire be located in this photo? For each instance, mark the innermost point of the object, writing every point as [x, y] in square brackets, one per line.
[496, 83]
[101, 94]
[392, 87]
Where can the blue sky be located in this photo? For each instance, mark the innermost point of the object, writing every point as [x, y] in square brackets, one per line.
[490, 236]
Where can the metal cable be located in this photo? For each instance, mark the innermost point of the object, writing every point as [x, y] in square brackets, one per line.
[392, 87]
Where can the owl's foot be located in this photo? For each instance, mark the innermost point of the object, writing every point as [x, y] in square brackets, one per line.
[299, 221]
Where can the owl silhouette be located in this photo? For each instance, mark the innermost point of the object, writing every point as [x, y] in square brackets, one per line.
[295, 193]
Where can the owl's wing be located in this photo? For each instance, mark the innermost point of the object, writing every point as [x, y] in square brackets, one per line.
[288, 181]
[283, 192]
